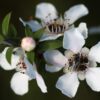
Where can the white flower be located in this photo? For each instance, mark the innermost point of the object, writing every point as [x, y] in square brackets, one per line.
[76, 67]
[28, 43]
[74, 39]
[25, 72]
[56, 26]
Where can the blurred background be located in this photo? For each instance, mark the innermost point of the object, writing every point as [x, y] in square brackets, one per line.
[25, 9]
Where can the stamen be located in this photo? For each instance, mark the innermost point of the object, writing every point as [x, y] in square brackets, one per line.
[59, 29]
[82, 67]
[78, 63]
[21, 66]
[56, 26]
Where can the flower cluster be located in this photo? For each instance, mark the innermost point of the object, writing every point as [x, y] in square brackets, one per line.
[61, 45]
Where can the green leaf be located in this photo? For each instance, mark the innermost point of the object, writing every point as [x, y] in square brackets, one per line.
[35, 35]
[39, 33]
[5, 24]
[12, 30]
[49, 45]
[28, 31]
[31, 56]
[1, 38]
[9, 54]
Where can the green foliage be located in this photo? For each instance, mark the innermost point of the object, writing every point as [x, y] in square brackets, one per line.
[12, 31]
[9, 54]
[49, 45]
[5, 24]
[39, 33]
[28, 31]
[35, 35]
[1, 38]
[31, 56]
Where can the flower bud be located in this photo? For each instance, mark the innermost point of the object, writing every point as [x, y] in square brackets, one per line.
[28, 43]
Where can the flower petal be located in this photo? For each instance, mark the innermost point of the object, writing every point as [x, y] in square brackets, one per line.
[92, 63]
[41, 83]
[93, 78]
[76, 12]
[81, 75]
[68, 84]
[19, 83]
[54, 57]
[30, 69]
[4, 63]
[94, 53]
[52, 68]
[46, 37]
[73, 40]
[83, 30]
[85, 51]
[68, 54]
[33, 24]
[46, 11]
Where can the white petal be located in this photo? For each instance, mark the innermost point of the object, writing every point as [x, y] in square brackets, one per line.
[30, 69]
[46, 11]
[68, 54]
[46, 37]
[94, 53]
[76, 12]
[68, 84]
[19, 83]
[52, 68]
[81, 75]
[83, 30]
[93, 78]
[33, 24]
[4, 63]
[73, 40]
[85, 51]
[92, 63]
[54, 57]
[41, 83]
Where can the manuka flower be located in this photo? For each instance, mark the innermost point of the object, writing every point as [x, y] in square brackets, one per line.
[76, 66]
[56, 26]
[25, 71]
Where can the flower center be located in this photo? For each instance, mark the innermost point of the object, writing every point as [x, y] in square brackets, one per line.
[81, 62]
[57, 26]
[21, 66]
[77, 63]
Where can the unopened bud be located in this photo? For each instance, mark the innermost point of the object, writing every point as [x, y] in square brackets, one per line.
[28, 43]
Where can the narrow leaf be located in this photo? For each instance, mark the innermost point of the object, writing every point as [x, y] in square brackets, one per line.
[31, 56]
[49, 45]
[28, 31]
[5, 24]
[1, 38]
[12, 30]
[9, 54]
[38, 33]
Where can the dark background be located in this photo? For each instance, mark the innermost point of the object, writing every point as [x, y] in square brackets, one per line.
[25, 9]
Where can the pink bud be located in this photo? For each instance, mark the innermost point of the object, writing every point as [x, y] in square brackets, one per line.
[28, 43]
